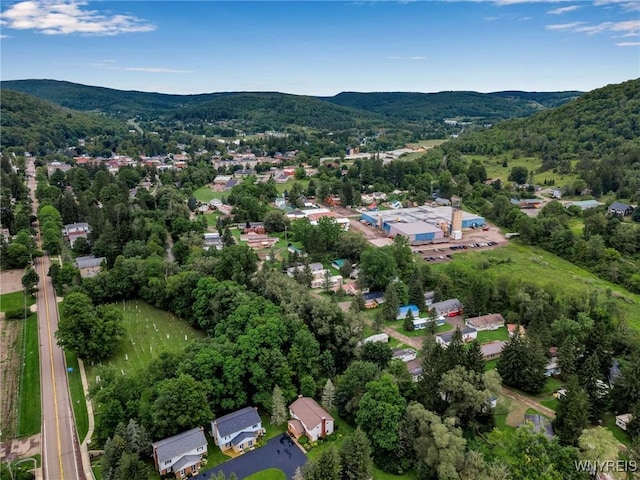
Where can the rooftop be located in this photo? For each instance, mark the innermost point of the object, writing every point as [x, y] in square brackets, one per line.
[414, 228]
[237, 421]
[309, 412]
[179, 444]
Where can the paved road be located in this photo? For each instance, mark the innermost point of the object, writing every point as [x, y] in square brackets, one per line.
[60, 449]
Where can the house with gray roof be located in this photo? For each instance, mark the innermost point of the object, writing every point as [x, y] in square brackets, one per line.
[448, 308]
[237, 431]
[468, 334]
[89, 266]
[619, 208]
[181, 454]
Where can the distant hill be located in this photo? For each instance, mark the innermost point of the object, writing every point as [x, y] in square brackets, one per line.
[39, 126]
[454, 105]
[597, 136]
[278, 110]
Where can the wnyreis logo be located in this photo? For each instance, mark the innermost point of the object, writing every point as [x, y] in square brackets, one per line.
[593, 466]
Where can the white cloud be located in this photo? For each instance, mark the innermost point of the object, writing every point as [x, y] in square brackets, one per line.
[64, 17]
[516, 2]
[628, 44]
[564, 26]
[108, 65]
[4, 36]
[631, 5]
[628, 28]
[562, 10]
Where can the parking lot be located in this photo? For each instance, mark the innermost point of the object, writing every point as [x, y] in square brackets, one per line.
[279, 452]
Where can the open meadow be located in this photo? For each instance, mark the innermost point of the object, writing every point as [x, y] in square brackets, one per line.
[149, 332]
[495, 169]
[537, 266]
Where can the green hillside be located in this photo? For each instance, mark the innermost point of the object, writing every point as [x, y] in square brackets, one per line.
[38, 126]
[597, 137]
[453, 105]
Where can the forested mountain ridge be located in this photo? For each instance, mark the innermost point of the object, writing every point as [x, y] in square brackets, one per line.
[596, 136]
[37, 125]
[455, 105]
[352, 108]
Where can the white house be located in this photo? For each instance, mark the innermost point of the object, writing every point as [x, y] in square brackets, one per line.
[623, 420]
[468, 334]
[310, 419]
[420, 323]
[180, 454]
[379, 337]
[238, 430]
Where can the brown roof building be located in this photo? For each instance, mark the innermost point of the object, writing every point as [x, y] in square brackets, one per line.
[492, 321]
[310, 419]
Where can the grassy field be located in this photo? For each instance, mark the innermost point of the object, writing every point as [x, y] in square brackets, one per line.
[576, 225]
[13, 301]
[149, 331]
[268, 474]
[29, 409]
[211, 218]
[77, 395]
[494, 168]
[205, 194]
[534, 265]
[621, 435]
[486, 336]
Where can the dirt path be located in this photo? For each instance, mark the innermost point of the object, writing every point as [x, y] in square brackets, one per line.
[412, 342]
[516, 415]
[11, 281]
[9, 374]
[20, 447]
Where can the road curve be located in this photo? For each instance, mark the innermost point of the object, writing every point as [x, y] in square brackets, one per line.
[61, 458]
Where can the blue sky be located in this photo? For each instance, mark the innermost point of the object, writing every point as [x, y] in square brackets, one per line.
[322, 48]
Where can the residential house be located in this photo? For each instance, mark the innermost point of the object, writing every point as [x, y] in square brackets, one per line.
[584, 204]
[468, 334]
[221, 180]
[429, 297]
[181, 454]
[552, 368]
[212, 240]
[89, 266]
[317, 269]
[74, 231]
[420, 323]
[379, 337]
[541, 424]
[373, 299]
[527, 202]
[337, 264]
[230, 184]
[622, 421]
[493, 321]
[492, 350]
[512, 328]
[619, 208]
[405, 310]
[448, 308]
[415, 368]
[404, 354]
[310, 419]
[237, 431]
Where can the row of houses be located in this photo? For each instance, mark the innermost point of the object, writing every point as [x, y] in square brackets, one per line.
[236, 433]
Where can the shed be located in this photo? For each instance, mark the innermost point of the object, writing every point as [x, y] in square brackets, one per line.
[404, 311]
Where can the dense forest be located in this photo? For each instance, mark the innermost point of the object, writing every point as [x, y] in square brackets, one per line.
[39, 126]
[283, 109]
[597, 136]
[454, 105]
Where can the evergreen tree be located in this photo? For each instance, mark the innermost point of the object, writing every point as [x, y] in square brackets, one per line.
[473, 359]
[355, 457]
[408, 321]
[227, 238]
[522, 364]
[572, 414]
[328, 394]
[567, 358]
[326, 467]
[391, 303]
[278, 407]
[597, 391]
[454, 353]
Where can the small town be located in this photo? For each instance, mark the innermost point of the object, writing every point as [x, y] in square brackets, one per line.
[317, 271]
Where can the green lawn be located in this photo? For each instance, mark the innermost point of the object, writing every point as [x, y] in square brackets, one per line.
[486, 336]
[95, 467]
[77, 395]
[149, 331]
[576, 225]
[211, 218]
[13, 301]
[534, 265]
[341, 431]
[205, 194]
[494, 168]
[29, 408]
[501, 412]
[621, 435]
[399, 326]
[533, 411]
[491, 364]
[268, 474]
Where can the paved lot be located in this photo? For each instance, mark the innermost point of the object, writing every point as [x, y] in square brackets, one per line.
[279, 452]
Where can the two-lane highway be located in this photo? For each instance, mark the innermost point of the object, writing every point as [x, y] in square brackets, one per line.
[60, 448]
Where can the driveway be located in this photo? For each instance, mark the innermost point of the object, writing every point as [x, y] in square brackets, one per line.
[279, 452]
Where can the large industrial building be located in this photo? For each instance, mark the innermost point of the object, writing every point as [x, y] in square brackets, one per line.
[424, 224]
